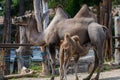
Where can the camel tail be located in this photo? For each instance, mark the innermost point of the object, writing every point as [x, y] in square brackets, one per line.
[108, 44]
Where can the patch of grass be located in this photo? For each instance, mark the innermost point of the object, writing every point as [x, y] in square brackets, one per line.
[118, 67]
[36, 68]
[106, 67]
[13, 79]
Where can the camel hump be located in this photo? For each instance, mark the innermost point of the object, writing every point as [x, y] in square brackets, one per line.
[85, 6]
[59, 6]
[83, 12]
[60, 12]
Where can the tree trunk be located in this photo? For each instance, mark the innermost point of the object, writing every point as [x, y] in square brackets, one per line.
[8, 36]
[41, 10]
[1, 64]
[105, 19]
[45, 66]
[38, 13]
[23, 52]
[45, 10]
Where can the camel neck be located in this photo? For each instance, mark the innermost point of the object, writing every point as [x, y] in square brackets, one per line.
[35, 37]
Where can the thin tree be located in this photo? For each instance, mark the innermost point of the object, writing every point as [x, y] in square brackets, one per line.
[7, 35]
[105, 19]
[23, 51]
[42, 18]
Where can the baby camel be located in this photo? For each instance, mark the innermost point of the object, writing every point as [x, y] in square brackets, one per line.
[71, 48]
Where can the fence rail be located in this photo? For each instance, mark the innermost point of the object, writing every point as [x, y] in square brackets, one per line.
[13, 45]
[116, 37]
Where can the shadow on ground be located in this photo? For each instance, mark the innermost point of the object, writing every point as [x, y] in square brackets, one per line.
[111, 78]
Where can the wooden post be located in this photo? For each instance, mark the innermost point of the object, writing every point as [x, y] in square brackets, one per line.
[117, 41]
[38, 13]
[1, 64]
[41, 8]
[23, 52]
[105, 19]
[7, 36]
[45, 10]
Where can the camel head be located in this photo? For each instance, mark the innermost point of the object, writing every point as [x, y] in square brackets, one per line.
[67, 37]
[23, 20]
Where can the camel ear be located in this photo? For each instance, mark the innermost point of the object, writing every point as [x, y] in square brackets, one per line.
[66, 46]
[67, 35]
[61, 41]
[76, 38]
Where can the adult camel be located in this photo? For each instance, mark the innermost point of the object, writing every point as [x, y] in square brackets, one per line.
[75, 26]
[35, 37]
[84, 12]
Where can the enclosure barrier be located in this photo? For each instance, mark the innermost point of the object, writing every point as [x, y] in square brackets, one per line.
[13, 45]
[116, 37]
[10, 45]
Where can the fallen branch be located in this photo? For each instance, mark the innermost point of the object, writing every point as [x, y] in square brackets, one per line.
[18, 75]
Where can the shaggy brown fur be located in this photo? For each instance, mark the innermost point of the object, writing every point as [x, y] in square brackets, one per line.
[69, 48]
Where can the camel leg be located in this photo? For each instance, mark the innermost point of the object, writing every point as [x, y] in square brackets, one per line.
[100, 58]
[52, 54]
[61, 59]
[65, 71]
[65, 65]
[95, 66]
[76, 67]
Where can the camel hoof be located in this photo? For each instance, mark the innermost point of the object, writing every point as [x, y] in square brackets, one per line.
[86, 78]
[94, 79]
[52, 78]
[77, 78]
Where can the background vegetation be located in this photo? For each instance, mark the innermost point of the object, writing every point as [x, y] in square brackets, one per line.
[70, 6]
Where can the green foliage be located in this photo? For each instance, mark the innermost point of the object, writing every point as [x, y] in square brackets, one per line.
[72, 6]
[15, 6]
[106, 67]
[115, 2]
[28, 4]
[35, 67]
[2, 2]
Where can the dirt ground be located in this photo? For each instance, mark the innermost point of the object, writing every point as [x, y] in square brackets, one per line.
[108, 75]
